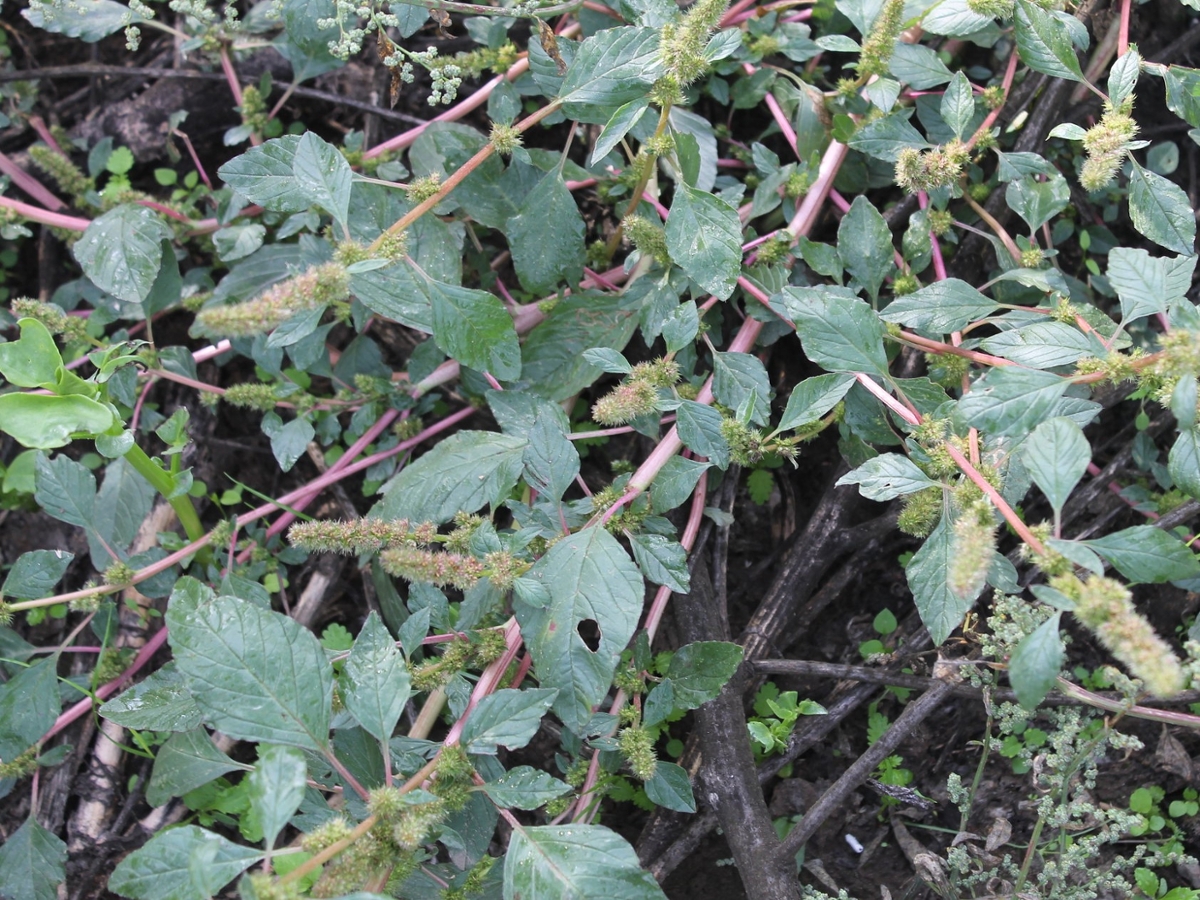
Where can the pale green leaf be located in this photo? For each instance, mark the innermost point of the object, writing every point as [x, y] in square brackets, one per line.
[35, 573]
[662, 561]
[160, 702]
[610, 68]
[1147, 284]
[698, 671]
[324, 175]
[1184, 462]
[473, 327]
[699, 427]
[958, 105]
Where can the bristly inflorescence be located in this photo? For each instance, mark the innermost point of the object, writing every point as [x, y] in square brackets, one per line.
[321, 285]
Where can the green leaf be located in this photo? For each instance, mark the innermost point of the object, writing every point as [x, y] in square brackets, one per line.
[670, 788]
[704, 238]
[1183, 462]
[674, 483]
[918, 66]
[1147, 284]
[812, 398]
[507, 718]
[1160, 210]
[1123, 76]
[465, 472]
[1044, 43]
[397, 293]
[617, 127]
[1011, 401]
[187, 760]
[660, 703]
[43, 422]
[698, 671]
[1041, 345]
[940, 308]
[610, 69]
[234, 654]
[608, 360]
[29, 705]
[840, 334]
[277, 787]
[289, 441]
[473, 327]
[551, 460]
[553, 355]
[888, 476]
[33, 359]
[32, 863]
[699, 427]
[35, 573]
[741, 377]
[375, 683]
[525, 788]
[264, 175]
[121, 251]
[1036, 662]
[865, 245]
[238, 241]
[1057, 456]
[324, 175]
[88, 20]
[1038, 201]
[546, 237]
[680, 328]
[958, 105]
[163, 869]
[65, 490]
[588, 577]
[1146, 555]
[574, 861]
[884, 138]
[661, 560]
[940, 608]
[160, 702]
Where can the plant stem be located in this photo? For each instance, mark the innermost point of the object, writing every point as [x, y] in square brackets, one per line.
[165, 485]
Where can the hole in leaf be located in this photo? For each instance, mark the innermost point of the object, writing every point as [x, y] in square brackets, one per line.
[589, 632]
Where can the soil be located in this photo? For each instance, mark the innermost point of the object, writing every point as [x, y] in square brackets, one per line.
[856, 849]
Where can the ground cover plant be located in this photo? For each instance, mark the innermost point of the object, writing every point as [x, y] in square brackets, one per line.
[482, 508]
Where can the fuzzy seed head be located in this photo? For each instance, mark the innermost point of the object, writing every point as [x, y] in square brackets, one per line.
[321, 285]
[429, 567]
[637, 746]
[352, 536]
[625, 402]
[505, 138]
[1106, 608]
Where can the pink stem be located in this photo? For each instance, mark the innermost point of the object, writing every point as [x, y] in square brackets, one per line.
[29, 184]
[45, 217]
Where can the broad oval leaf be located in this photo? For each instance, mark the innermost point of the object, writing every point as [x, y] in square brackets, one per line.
[1011, 400]
[1035, 664]
[574, 861]
[474, 328]
[839, 333]
[1056, 455]
[1145, 554]
[264, 175]
[546, 238]
[466, 471]
[255, 673]
[610, 69]
[704, 238]
[940, 308]
[1160, 210]
[121, 251]
[589, 578]
[375, 683]
[43, 422]
[506, 718]
[162, 868]
[888, 476]
[941, 609]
